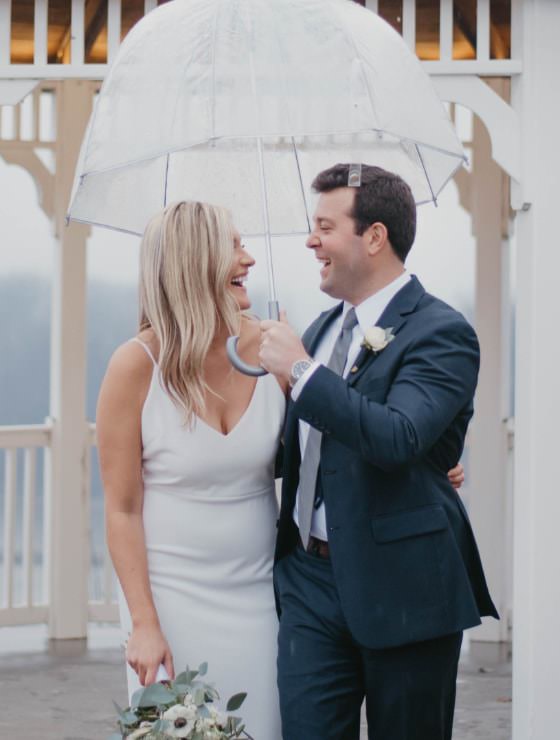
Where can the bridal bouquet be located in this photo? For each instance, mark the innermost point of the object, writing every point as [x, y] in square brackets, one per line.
[182, 708]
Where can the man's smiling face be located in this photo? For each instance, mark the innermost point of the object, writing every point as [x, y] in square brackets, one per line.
[342, 252]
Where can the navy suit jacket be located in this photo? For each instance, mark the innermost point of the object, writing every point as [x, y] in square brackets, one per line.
[403, 554]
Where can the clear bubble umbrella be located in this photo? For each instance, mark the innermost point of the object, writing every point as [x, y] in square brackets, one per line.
[242, 102]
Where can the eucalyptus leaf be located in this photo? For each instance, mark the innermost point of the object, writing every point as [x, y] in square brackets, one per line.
[190, 675]
[155, 695]
[212, 693]
[236, 701]
[203, 669]
[115, 736]
[199, 696]
[129, 718]
[134, 702]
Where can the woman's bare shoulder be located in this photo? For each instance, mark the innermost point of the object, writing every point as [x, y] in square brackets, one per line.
[130, 369]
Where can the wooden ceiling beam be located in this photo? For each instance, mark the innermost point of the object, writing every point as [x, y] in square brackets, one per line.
[96, 20]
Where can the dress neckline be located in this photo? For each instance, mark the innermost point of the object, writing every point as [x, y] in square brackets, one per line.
[237, 423]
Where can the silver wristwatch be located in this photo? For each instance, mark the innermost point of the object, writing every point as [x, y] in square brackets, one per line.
[298, 369]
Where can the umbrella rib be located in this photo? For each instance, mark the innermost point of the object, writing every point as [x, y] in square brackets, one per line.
[213, 94]
[165, 182]
[450, 177]
[434, 199]
[301, 184]
[120, 229]
[352, 43]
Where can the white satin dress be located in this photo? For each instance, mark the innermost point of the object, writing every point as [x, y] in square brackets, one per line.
[210, 514]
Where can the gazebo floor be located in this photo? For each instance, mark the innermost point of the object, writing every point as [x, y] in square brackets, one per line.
[65, 692]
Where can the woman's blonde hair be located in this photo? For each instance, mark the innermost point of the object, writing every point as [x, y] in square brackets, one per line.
[185, 263]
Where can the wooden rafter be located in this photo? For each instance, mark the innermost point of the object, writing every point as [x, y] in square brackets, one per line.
[95, 22]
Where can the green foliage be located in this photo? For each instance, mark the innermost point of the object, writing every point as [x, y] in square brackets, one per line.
[235, 702]
[180, 708]
[155, 695]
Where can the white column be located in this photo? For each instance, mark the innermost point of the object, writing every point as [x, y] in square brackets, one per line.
[536, 643]
[5, 31]
[69, 541]
[40, 33]
[77, 53]
[113, 29]
[483, 30]
[409, 23]
[445, 30]
[489, 499]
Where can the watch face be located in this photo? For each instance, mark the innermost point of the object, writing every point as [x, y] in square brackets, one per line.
[300, 367]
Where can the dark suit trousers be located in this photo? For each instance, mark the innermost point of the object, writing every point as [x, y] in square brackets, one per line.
[324, 675]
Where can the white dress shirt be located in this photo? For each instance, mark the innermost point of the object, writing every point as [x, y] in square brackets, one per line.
[368, 313]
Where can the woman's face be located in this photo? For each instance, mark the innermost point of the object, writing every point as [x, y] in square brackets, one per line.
[241, 264]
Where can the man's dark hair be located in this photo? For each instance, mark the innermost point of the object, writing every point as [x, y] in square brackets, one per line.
[382, 196]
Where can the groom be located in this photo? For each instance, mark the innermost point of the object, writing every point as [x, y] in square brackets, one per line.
[377, 570]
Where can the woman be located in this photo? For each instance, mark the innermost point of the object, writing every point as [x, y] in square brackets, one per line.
[187, 448]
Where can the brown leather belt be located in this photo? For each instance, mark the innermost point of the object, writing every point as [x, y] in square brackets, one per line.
[316, 547]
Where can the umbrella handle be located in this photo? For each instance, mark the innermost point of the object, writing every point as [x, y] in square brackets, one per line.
[231, 348]
[238, 363]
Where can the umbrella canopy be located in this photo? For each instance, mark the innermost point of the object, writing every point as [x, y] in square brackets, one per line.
[242, 102]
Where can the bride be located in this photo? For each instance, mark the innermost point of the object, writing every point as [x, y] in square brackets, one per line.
[187, 448]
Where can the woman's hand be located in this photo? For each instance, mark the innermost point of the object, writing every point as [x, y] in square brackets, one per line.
[457, 476]
[146, 650]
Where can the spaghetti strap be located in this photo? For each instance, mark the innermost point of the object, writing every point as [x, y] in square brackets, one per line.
[147, 350]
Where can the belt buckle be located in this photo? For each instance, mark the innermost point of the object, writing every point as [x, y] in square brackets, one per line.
[314, 548]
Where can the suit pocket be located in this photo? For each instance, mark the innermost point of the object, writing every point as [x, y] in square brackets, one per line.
[412, 523]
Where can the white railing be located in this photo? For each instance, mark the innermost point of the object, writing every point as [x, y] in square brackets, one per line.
[26, 567]
[76, 65]
[21, 604]
[102, 606]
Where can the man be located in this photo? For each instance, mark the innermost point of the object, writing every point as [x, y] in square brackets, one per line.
[377, 570]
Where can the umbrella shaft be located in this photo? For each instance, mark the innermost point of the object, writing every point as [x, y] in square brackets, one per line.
[264, 199]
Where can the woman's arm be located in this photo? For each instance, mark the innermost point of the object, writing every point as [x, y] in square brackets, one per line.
[119, 412]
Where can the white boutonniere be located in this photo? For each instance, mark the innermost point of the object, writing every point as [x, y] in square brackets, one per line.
[376, 338]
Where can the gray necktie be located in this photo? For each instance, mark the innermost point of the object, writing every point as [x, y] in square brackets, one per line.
[311, 457]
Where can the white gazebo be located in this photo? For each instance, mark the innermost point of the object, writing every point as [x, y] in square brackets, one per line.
[500, 59]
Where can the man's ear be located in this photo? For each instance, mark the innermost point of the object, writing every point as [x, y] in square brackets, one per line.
[377, 237]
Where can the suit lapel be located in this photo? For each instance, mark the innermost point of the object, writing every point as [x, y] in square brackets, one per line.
[313, 335]
[394, 316]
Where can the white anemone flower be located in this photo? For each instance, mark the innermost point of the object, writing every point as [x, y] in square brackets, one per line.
[181, 720]
[189, 701]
